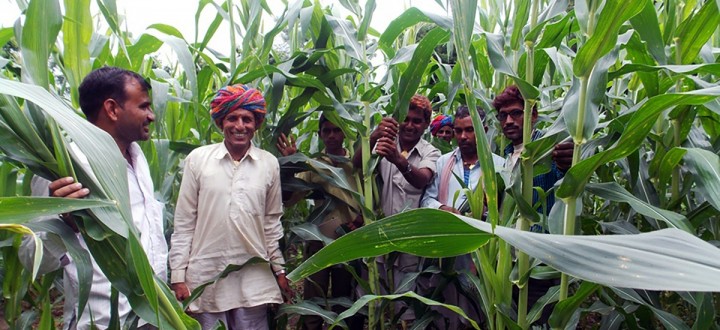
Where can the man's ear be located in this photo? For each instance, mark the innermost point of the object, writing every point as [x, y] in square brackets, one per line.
[110, 109]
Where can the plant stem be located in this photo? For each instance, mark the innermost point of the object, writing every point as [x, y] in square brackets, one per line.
[232, 36]
[526, 163]
[570, 202]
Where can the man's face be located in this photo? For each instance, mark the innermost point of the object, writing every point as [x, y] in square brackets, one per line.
[238, 128]
[135, 114]
[511, 120]
[332, 136]
[446, 133]
[412, 129]
[465, 136]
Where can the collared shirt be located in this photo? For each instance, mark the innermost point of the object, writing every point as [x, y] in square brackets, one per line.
[397, 193]
[227, 213]
[147, 215]
[545, 181]
[347, 209]
[431, 199]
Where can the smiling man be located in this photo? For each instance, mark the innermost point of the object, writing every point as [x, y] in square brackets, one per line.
[406, 168]
[228, 211]
[118, 102]
[408, 161]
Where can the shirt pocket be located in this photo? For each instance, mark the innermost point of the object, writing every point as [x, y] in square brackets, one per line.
[250, 198]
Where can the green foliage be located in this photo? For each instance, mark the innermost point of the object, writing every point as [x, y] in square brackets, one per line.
[634, 83]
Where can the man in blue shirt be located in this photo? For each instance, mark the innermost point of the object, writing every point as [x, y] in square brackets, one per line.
[510, 105]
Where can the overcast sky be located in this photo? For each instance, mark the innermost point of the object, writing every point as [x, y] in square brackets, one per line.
[181, 14]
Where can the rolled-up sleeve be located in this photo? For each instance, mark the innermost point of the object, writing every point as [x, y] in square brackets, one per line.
[185, 220]
[430, 198]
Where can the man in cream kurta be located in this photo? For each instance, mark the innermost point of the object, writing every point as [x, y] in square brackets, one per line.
[226, 214]
[228, 211]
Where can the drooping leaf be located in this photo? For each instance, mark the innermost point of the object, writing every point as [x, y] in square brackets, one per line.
[667, 259]
[705, 165]
[614, 192]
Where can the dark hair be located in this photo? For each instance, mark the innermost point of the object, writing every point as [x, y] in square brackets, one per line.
[463, 111]
[419, 102]
[106, 83]
[322, 121]
[511, 95]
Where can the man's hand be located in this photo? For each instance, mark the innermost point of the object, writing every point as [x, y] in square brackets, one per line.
[387, 148]
[286, 146]
[181, 291]
[449, 209]
[562, 155]
[388, 128]
[67, 188]
[284, 285]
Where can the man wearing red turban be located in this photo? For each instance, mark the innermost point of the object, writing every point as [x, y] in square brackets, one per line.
[228, 212]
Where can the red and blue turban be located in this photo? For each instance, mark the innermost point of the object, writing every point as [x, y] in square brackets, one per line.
[440, 121]
[239, 96]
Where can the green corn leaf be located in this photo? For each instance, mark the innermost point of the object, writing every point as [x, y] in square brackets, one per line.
[136, 52]
[705, 165]
[565, 309]
[77, 32]
[43, 21]
[668, 259]
[308, 231]
[520, 19]
[413, 75]
[308, 308]
[364, 300]
[78, 253]
[17, 210]
[648, 27]
[409, 232]
[614, 192]
[409, 18]
[614, 14]
[185, 58]
[367, 17]
[635, 132]
[501, 64]
[693, 33]
[712, 68]
[345, 32]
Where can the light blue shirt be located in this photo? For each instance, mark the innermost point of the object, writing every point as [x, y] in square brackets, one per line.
[430, 199]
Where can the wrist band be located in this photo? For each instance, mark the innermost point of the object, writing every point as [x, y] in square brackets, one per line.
[408, 169]
[279, 272]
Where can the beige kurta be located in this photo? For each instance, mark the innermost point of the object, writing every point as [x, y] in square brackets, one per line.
[226, 214]
[397, 193]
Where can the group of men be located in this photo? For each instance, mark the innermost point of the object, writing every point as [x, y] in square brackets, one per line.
[230, 202]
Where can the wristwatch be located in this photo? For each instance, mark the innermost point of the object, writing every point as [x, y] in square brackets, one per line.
[408, 169]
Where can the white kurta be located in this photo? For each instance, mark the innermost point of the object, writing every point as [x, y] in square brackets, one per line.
[147, 215]
[227, 213]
